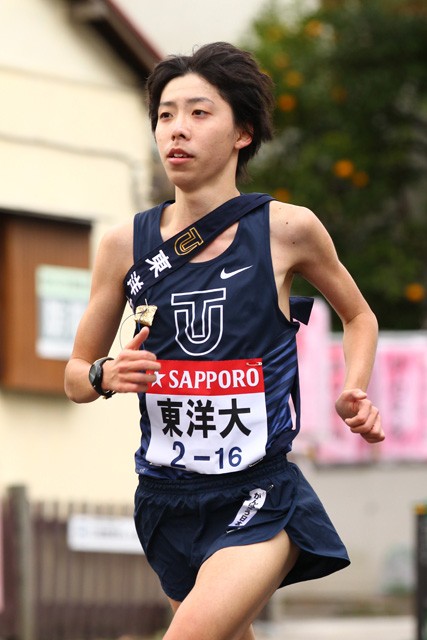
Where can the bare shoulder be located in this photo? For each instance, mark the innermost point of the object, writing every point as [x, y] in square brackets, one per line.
[298, 238]
[292, 223]
[116, 248]
[118, 237]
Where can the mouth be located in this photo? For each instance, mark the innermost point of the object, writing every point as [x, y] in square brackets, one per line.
[179, 154]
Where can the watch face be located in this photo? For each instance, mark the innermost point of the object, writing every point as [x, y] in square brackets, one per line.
[93, 373]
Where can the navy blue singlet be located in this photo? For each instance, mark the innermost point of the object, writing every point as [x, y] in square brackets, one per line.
[221, 400]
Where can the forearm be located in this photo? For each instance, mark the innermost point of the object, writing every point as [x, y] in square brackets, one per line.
[131, 371]
[77, 385]
[359, 344]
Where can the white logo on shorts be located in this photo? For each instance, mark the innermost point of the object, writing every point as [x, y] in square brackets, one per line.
[249, 508]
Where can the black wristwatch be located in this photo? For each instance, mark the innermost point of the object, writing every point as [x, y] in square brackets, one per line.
[95, 377]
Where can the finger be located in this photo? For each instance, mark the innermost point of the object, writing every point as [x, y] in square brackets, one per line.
[372, 439]
[377, 430]
[358, 420]
[349, 403]
[376, 434]
[139, 382]
[353, 395]
[364, 423]
[362, 413]
[137, 340]
[131, 361]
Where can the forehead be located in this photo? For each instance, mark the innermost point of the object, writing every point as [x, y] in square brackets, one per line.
[189, 87]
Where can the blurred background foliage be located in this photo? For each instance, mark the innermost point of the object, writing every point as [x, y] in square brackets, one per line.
[351, 138]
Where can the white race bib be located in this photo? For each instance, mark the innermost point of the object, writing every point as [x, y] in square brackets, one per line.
[207, 417]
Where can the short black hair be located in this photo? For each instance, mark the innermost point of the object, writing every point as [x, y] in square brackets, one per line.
[238, 79]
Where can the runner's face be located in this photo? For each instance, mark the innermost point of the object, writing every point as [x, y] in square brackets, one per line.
[197, 138]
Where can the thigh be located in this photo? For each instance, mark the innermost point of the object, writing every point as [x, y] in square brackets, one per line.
[231, 589]
[248, 634]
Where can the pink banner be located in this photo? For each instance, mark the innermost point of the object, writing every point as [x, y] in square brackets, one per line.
[400, 390]
[314, 370]
[341, 446]
[398, 387]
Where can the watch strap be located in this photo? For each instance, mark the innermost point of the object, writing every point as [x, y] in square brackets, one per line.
[96, 380]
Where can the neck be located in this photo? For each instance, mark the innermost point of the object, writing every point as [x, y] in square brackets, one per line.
[190, 207]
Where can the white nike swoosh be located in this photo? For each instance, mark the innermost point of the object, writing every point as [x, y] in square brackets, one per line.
[224, 275]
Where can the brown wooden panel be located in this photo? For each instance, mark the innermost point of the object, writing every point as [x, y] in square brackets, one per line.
[77, 594]
[26, 243]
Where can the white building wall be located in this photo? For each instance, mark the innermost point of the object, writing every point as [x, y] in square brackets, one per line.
[74, 142]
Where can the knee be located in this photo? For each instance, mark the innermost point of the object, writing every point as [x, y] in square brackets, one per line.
[187, 628]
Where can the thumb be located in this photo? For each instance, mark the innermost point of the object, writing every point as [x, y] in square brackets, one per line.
[355, 394]
[137, 340]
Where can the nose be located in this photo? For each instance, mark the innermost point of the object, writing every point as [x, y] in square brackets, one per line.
[180, 128]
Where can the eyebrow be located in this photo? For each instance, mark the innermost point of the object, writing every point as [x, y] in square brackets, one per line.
[172, 103]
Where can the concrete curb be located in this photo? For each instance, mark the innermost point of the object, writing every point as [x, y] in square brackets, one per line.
[373, 628]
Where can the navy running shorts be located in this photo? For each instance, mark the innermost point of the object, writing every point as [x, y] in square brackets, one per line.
[182, 523]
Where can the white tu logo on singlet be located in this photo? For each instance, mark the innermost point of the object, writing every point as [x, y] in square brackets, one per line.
[198, 320]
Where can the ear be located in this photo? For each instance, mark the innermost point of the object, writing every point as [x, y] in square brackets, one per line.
[244, 139]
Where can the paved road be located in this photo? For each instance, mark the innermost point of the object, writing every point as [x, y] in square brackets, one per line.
[374, 628]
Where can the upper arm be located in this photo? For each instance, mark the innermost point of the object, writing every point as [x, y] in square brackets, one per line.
[101, 319]
[311, 253]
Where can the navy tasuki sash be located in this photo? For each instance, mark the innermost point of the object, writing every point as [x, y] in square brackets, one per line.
[175, 252]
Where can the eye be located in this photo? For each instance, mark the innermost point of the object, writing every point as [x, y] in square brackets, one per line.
[200, 112]
[164, 115]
